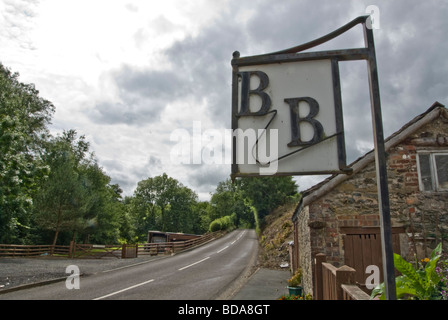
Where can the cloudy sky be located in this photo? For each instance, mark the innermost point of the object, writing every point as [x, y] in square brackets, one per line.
[127, 73]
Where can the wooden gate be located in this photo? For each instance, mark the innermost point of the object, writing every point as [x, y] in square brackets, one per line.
[362, 247]
[94, 251]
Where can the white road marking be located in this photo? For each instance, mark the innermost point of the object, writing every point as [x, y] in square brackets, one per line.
[122, 290]
[190, 265]
[222, 249]
[239, 237]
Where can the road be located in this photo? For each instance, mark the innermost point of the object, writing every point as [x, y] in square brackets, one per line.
[200, 274]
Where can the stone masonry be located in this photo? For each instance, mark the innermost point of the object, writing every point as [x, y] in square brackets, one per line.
[353, 201]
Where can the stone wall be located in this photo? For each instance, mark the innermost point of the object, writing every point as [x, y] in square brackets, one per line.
[305, 257]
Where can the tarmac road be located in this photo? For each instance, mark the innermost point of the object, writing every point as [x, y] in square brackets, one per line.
[208, 272]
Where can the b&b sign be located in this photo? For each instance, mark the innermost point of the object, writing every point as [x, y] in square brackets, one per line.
[287, 110]
[287, 121]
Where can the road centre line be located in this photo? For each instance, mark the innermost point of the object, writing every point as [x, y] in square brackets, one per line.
[239, 237]
[190, 265]
[122, 290]
[222, 249]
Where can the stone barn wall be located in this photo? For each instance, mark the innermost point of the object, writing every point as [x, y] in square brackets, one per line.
[354, 203]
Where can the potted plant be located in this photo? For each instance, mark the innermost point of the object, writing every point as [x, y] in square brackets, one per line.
[295, 283]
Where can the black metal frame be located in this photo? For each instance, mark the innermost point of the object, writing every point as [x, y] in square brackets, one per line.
[367, 53]
[293, 55]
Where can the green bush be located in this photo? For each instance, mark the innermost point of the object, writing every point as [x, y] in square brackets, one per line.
[215, 225]
[223, 223]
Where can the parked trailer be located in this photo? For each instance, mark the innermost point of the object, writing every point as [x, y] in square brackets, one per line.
[159, 236]
[165, 240]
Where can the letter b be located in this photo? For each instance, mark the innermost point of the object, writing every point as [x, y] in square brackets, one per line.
[246, 92]
[296, 119]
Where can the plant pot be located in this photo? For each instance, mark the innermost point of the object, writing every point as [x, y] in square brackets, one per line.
[297, 291]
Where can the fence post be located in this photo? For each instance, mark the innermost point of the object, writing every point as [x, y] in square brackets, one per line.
[71, 249]
[318, 281]
[344, 275]
[74, 250]
[123, 251]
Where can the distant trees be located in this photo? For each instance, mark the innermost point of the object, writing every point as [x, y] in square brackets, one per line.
[267, 193]
[248, 200]
[163, 203]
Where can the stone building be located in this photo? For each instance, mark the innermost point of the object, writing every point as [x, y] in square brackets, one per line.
[340, 216]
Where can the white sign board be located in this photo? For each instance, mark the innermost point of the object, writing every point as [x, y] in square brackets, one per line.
[287, 119]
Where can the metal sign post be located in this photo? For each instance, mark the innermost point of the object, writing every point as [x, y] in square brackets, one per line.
[381, 170]
[287, 119]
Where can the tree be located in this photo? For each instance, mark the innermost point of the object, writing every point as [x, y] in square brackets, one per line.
[77, 198]
[60, 203]
[202, 210]
[222, 202]
[267, 193]
[24, 117]
[229, 200]
[164, 204]
[102, 207]
[250, 196]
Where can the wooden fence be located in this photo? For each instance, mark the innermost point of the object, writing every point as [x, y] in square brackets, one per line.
[15, 250]
[332, 283]
[75, 250]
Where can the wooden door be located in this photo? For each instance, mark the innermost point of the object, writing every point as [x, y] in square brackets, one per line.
[362, 247]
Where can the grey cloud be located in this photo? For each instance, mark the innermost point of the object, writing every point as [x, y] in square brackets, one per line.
[410, 50]
[131, 7]
[126, 184]
[118, 174]
[206, 59]
[152, 167]
[133, 82]
[290, 23]
[143, 94]
[127, 178]
[206, 177]
[137, 113]
[160, 26]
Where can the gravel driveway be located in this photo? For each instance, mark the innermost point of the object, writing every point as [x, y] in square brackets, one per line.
[21, 271]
